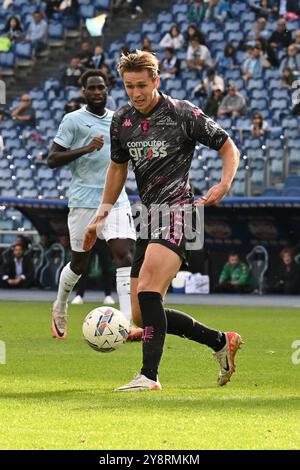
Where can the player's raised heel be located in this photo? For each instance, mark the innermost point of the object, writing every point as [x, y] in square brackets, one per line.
[226, 357]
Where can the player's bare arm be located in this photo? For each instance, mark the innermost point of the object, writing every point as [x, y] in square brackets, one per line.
[114, 183]
[60, 156]
[230, 157]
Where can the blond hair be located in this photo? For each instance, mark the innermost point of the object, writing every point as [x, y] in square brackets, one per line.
[138, 61]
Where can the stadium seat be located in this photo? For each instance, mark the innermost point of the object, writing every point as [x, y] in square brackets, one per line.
[54, 262]
[56, 35]
[292, 181]
[86, 11]
[291, 192]
[271, 192]
[258, 261]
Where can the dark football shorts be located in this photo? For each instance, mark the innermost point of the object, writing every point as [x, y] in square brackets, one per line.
[172, 237]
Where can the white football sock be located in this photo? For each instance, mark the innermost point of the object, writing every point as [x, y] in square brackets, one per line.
[67, 281]
[123, 289]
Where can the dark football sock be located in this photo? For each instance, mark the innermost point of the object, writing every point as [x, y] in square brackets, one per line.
[155, 326]
[183, 325]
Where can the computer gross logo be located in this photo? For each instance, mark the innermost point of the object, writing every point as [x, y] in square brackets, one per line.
[147, 149]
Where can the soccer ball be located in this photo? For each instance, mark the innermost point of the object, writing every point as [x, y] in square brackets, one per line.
[105, 329]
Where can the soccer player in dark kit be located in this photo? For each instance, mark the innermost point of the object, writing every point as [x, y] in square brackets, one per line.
[158, 135]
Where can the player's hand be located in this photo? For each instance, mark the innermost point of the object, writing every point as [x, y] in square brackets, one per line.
[214, 195]
[95, 144]
[92, 232]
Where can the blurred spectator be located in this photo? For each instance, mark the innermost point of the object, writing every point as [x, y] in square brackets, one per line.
[71, 106]
[1, 145]
[86, 56]
[217, 10]
[146, 45]
[259, 30]
[13, 29]
[37, 32]
[254, 64]
[24, 114]
[135, 7]
[72, 73]
[170, 64]
[288, 77]
[235, 277]
[291, 60]
[173, 38]
[18, 270]
[211, 80]
[98, 57]
[45, 241]
[196, 11]
[198, 56]
[287, 278]
[297, 39]
[289, 9]
[259, 126]
[193, 32]
[226, 60]
[281, 37]
[264, 7]
[106, 70]
[213, 102]
[233, 104]
[52, 10]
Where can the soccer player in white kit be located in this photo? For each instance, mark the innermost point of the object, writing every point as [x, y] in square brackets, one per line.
[83, 143]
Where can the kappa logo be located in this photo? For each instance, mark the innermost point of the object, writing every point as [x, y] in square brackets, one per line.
[166, 121]
[127, 123]
[145, 125]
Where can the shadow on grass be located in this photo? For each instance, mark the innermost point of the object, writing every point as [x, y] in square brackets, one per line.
[159, 401]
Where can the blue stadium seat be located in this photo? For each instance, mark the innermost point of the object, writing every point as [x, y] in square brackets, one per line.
[7, 61]
[291, 192]
[149, 27]
[164, 17]
[86, 11]
[271, 192]
[292, 181]
[179, 8]
[102, 4]
[24, 50]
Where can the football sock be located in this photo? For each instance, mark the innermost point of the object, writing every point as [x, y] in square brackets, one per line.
[155, 326]
[123, 289]
[67, 281]
[180, 324]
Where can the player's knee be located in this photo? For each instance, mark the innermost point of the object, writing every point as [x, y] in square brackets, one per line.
[78, 267]
[123, 259]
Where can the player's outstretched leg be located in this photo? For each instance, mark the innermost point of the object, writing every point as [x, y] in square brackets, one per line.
[224, 345]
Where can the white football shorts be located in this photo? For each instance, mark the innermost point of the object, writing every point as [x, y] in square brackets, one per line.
[119, 224]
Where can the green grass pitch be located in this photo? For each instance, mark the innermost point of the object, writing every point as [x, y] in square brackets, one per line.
[59, 394]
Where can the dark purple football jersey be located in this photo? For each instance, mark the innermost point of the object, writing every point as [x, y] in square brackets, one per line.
[160, 146]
